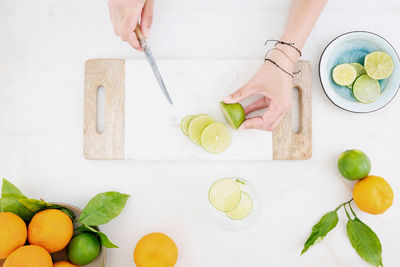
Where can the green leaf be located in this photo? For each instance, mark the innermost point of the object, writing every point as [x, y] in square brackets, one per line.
[102, 208]
[35, 206]
[321, 229]
[365, 242]
[103, 237]
[13, 205]
[8, 190]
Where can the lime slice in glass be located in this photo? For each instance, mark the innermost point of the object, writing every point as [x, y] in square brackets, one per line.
[225, 194]
[234, 113]
[360, 71]
[378, 65]
[243, 209]
[344, 74]
[197, 126]
[216, 138]
[366, 89]
[185, 124]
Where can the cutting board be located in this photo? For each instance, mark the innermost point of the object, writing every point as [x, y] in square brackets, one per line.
[140, 124]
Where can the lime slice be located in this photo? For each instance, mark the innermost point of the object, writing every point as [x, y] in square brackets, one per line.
[197, 126]
[234, 114]
[360, 71]
[185, 124]
[215, 138]
[243, 209]
[225, 194]
[344, 74]
[366, 89]
[378, 65]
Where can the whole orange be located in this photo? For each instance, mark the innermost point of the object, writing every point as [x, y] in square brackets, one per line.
[373, 194]
[51, 229]
[155, 250]
[64, 264]
[32, 256]
[12, 233]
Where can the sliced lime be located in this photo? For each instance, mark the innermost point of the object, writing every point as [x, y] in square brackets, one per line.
[234, 113]
[378, 65]
[225, 194]
[243, 209]
[197, 126]
[360, 71]
[185, 124]
[216, 138]
[366, 89]
[344, 74]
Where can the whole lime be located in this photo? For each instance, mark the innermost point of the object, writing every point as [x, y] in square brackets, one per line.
[83, 248]
[354, 164]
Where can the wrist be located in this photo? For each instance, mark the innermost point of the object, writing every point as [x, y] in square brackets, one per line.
[282, 60]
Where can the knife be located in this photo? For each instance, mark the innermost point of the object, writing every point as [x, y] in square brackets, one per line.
[152, 62]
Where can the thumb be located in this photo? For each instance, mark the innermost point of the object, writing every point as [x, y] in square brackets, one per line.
[239, 95]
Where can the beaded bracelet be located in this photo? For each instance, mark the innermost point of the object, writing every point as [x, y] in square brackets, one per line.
[276, 64]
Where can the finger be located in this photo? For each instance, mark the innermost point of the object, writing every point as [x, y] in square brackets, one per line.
[240, 94]
[114, 22]
[256, 105]
[147, 18]
[264, 122]
[127, 30]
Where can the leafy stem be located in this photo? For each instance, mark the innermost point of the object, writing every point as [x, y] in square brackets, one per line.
[343, 204]
[352, 211]
[347, 214]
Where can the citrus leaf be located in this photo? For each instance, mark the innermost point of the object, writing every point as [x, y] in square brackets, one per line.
[103, 237]
[13, 205]
[103, 208]
[35, 206]
[321, 229]
[365, 242]
[8, 190]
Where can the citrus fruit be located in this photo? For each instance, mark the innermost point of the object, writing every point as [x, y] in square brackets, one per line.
[234, 113]
[359, 70]
[197, 126]
[354, 164]
[83, 249]
[185, 124]
[215, 138]
[366, 89]
[373, 194]
[225, 194]
[51, 229]
[243, 209]
[378, 65]
[344, 74]
[64, 264]
[32, 256]
[13, 233]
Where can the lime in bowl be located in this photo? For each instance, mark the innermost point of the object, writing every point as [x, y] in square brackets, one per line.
[360, 71]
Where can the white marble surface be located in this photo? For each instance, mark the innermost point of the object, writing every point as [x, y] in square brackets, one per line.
[43, 46]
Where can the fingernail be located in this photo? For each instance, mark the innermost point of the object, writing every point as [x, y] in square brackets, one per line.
[227, 99]
[242, 127]
[146, 32]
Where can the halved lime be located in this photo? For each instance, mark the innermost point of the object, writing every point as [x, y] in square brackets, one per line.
[197, 126]
[360, 71]
[234, 113]
[366, 89]
[243, 209]
[225, 194]
[185, 124]
[378, 65]
[344, 74]
[216, 138]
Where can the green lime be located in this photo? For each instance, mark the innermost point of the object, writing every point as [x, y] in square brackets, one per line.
[83, 248]
[344, 74]
[197, 126]
[225, 194]
[185, 124]
[378, 65]
[215, 138]
[366, 89]
[243, 209]
[360, 71]
[234, 113]
[354, 164]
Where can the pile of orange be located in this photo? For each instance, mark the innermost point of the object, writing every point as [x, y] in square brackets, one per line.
[49, 231]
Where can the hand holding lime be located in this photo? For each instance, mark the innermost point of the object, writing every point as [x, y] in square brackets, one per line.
[354, 164]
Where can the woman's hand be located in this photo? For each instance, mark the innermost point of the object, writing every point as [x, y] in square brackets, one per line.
[276, 88]
[125, 14]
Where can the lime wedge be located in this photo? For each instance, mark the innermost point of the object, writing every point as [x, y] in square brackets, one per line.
[378, 65]
[216, 138]
[344, 74]
[197, 126]
[234, 114]
[185, 124]
[366, 89]
[225, 194]
[360, 71]
[243, 209]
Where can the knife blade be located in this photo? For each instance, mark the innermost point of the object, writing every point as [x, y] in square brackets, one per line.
[152, 62]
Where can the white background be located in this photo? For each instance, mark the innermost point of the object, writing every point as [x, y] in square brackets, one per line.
[43, 46]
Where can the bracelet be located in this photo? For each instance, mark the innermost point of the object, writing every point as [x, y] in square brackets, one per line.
[286, 55]
[276, 64]
[284, 43]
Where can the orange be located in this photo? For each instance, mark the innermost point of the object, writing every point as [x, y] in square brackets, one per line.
[12, 233]
[155, 250]
[373, 194]
[51, 229]
[64, 264]
[32, 256]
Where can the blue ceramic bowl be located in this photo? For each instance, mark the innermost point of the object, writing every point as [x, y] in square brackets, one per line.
[353, 47]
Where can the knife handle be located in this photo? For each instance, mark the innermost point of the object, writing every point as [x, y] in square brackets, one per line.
[140, 36]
